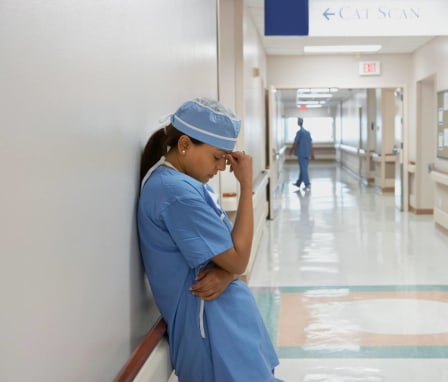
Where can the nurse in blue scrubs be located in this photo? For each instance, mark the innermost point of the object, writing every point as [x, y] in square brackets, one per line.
[192, 253]
[302, 148]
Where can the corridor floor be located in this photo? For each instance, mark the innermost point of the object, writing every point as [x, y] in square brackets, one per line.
[352, 289]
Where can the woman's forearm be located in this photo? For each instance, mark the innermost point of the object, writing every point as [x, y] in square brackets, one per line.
[242, 233]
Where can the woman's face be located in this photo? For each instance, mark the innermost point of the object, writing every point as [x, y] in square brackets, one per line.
[203, 161]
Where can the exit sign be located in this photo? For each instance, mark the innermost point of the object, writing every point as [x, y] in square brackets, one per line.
[369, 68]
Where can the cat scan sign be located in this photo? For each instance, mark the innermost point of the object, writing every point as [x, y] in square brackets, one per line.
[369, 68]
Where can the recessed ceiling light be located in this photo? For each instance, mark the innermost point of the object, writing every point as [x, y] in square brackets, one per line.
[304, 107]
[341, 48]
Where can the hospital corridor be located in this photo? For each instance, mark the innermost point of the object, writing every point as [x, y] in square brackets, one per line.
[349, 277]
[350, 288]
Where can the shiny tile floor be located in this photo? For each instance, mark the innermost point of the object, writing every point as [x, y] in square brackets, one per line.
[352, 289]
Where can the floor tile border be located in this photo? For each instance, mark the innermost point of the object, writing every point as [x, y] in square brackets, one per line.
[268, 300]
[366, 352]
[352, 288]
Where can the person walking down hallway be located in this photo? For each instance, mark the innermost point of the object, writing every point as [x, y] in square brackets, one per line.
[302, 148]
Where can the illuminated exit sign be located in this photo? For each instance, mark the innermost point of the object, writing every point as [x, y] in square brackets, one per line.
[369, 68]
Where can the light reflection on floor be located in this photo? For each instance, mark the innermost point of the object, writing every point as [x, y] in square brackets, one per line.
[351, 289]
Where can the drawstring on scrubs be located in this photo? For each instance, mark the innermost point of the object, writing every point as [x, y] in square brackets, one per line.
[201, 318]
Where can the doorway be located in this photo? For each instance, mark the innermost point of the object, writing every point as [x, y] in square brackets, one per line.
[398, 148]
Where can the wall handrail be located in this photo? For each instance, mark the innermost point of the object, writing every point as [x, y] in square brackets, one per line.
[439, 177]
[143, 351]
[260, 183]
[349, 149]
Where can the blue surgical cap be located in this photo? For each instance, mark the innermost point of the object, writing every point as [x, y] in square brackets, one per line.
[208, 121]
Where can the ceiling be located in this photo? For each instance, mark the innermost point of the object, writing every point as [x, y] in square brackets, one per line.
[293, 45]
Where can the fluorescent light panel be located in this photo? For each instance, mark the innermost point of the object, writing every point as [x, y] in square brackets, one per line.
[312, 102]
[341, 48]
[314, 95]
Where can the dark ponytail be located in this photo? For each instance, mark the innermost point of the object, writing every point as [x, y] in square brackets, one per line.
[157, 146]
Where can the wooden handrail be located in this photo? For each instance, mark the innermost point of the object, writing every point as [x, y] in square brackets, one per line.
[141, 354]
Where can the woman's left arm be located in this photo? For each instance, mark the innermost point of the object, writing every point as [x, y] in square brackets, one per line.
[211, 282]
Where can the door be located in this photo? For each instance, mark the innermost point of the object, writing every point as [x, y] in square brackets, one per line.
[361, 158]
[274, 151]
[398, 148]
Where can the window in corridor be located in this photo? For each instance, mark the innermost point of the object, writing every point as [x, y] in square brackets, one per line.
[321, 129]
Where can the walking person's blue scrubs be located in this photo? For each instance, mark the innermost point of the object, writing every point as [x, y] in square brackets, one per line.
[303, 149]
[181, 228]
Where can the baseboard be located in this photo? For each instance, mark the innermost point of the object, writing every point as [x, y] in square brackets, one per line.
[386, 190]
[158, 365]
[442, 229]
[421, 211]
[441, 218]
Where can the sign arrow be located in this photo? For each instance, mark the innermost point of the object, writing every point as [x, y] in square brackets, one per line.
[328, 13]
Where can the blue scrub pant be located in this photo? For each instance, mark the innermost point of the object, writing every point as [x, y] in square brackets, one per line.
[303, 175]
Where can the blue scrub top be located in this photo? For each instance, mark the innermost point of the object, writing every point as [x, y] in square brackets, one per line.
[304, 143]
[181, 228]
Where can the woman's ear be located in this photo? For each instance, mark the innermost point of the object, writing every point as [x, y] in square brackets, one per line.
[183, 144]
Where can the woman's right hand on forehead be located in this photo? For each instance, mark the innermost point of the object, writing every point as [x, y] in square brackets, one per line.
[241, 165]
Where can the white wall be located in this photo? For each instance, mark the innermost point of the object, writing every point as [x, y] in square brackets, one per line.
[430, 75]
[429, 61]
[343, 71]
[354, 121]
[83, 83]
[254, 79]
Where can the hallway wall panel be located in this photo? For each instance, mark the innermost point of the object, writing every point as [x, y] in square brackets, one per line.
[83, 85]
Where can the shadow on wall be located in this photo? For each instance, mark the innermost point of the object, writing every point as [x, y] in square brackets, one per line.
[143, 310]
